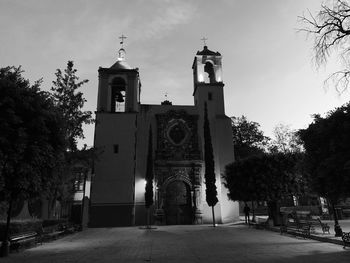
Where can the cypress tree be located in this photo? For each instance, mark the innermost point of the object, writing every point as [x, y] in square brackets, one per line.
[210, 191]
[149, 177]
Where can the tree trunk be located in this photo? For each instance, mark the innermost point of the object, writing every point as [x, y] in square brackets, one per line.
[5, 243]
[253, 212]
[51, 207]
[337, 229]
[212, 211]
[148, 221]
[274, 213]
[83, 202]
[330, 211]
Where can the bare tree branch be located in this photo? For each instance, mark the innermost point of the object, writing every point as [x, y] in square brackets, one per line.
[339, 79]
[331, 31]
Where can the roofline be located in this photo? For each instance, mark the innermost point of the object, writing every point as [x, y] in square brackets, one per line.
[111, 70]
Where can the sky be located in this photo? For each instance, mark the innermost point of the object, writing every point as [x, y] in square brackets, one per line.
[268, 68]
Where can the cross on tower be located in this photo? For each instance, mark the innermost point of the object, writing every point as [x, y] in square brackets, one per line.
[204, 39]
[122, 38]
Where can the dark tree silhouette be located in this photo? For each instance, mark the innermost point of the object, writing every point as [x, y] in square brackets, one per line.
[269, 177]
[248, 139]
[326, 143]
[240, 180]
[210, 191]
[31, 140]
[331, 30]
[149, 177]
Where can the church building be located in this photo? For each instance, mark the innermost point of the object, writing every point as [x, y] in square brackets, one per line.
[122, 134]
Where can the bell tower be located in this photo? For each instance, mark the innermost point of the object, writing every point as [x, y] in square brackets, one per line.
[119, 86]
[209, 88]
[207, 80]
[118, 104]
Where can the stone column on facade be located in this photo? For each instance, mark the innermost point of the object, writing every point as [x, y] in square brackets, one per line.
[103, 93]
[197, 203]
[197, 197]
[159, 213]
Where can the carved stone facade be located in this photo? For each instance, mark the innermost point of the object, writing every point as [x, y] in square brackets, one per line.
[178, 158]
[177, 136]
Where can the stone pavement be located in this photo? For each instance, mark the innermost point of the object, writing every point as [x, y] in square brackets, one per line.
[198, 243]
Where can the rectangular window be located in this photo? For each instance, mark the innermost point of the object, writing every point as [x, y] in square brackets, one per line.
[210, 96]
[79, 181]
[116, 148]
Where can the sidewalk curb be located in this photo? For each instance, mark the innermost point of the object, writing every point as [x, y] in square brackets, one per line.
[318, 238]
[327, 240]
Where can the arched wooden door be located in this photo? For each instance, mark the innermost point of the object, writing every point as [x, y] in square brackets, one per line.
[178, 209]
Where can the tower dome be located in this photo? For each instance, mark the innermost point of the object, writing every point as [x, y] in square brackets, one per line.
[121, 60]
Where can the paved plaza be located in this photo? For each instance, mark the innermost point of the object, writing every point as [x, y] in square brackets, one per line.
[198, 243]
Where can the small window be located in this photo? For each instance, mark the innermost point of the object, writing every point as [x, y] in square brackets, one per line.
[210, 96]
[116, 148]
[79, 181]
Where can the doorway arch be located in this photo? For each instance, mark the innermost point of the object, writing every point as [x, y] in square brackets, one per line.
[178, 208]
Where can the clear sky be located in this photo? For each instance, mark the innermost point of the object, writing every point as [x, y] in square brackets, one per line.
[267, 66]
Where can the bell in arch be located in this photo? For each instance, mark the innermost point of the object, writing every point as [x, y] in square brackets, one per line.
[119, 97]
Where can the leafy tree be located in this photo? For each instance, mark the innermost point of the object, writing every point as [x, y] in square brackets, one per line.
[240, 180]
[210, 191]
[327, 152]
[31, 139]
[285, 140]
[269, 177]
[70, 102]
[280, 179]
[149, 177]
[248, 139]
[331, 30]
[259, 160]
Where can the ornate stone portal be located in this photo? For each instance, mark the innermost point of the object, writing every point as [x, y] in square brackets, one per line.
[178, 167]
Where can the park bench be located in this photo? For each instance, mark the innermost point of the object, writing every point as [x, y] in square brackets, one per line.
[50, 232]
[260, 223]
[68, 228]
[325, 227]
[295, 226]
[22, 239]
[315, 222]
[303, 222]
[346, 239]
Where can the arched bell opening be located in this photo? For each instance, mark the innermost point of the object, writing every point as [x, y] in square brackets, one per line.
[209, 68]
[118, 90]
